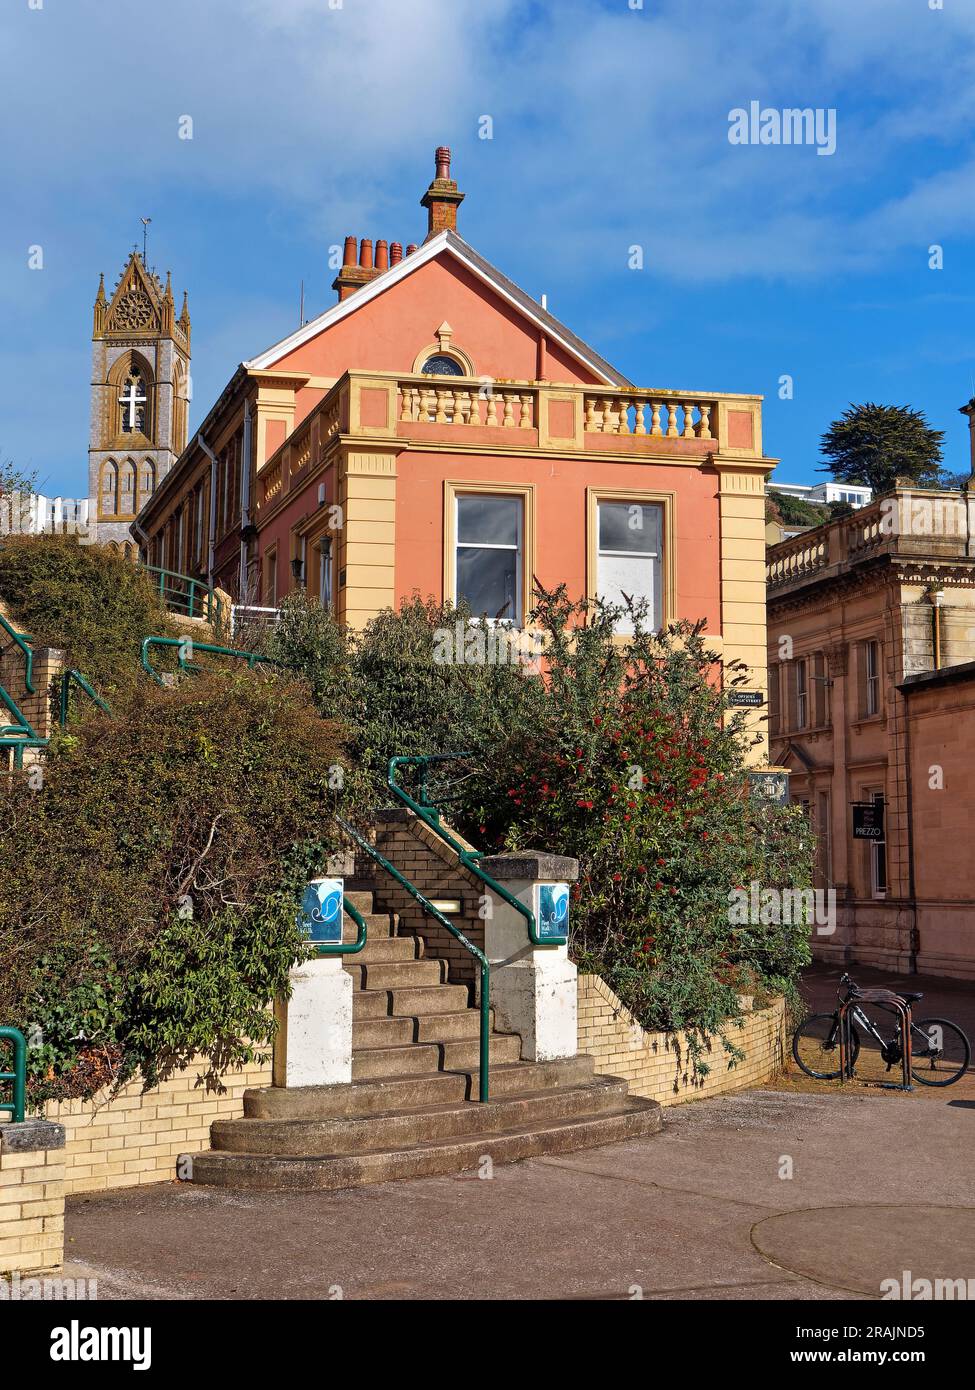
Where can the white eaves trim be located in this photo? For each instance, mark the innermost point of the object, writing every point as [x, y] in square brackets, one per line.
[446, 241]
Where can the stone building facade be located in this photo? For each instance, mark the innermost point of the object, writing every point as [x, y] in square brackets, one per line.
[140, 392]
[868, 617]
[438, 430]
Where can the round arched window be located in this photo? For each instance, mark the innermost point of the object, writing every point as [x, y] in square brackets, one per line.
[442, 365]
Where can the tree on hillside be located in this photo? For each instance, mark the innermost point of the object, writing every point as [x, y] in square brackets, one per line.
[14, 479]
[874, 445]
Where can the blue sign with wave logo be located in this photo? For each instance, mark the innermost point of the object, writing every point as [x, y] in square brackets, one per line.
[552, 911]
[321, 910]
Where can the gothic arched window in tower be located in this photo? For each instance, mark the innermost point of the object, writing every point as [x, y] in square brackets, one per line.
[127, 488]
[108, 500]
[148, 483]
[180, 409]
[134, 402]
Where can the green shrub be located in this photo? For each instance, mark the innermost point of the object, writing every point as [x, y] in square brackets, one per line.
[149, 886]
[87, 600]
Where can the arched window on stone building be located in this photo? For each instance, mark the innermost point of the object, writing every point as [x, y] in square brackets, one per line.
[108, 496]
[127, 476]
[130, 386]
[147, 481]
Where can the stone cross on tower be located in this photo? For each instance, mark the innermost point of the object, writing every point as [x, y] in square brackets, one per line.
[129, 400]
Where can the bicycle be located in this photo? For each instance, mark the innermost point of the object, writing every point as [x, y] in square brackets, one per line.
[940, 1051]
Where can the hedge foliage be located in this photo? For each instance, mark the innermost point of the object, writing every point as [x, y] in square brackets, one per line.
[150, 876]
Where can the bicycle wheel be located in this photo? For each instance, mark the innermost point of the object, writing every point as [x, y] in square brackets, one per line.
[816, 1046]
[940, 1052]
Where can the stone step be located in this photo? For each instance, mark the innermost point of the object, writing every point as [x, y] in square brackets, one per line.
[429, 999]
[383, 1032]
[320, 1138]
[464, 1054]
[385, 950]
[395, 974]
[410, 1092]
[464, 1023]
[415, 1058]
[378, 926]
[412, 1060]
[361, 899]
[633, 1119]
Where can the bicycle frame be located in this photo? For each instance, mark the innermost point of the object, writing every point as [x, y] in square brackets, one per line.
[887, 999]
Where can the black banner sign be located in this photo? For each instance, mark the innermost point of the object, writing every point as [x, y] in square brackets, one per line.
[868, 820]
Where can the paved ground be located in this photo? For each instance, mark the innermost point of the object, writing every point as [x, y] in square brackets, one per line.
[703, 1210]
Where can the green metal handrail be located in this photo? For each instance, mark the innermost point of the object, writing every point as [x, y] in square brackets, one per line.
[187, 590]
[21, 640]
[345, 948]
[18, 1076]
[252, 658]
[430, 816]
[73, 677]
[23, 725]
[483, 1085]
[19, 744]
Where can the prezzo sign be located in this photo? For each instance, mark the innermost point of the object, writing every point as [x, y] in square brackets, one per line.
[552, 911]
[321, 909]
[868, 820]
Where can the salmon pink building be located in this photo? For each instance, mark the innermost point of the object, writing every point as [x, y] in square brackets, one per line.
[438, 431]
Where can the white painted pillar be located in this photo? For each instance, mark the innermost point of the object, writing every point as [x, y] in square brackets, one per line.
[313, 1042]
[534, 989]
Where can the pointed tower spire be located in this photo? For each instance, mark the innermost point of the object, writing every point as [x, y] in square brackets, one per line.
[169, 308]
[100, 305]
[184, 318]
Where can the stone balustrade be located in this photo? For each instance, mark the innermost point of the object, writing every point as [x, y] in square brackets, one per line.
[537, 414]
[657, 415]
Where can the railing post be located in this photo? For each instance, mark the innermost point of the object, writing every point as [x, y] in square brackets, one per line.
[18, 1076]
[533, 987]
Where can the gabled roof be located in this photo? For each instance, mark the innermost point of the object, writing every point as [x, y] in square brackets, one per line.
[450, 242]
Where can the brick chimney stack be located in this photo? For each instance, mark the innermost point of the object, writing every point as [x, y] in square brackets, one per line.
[359, 270]
[442, 198]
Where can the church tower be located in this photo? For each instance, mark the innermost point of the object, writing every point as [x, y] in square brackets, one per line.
[140, 390]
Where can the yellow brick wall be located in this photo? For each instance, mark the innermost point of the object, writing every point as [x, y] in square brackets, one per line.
[136, 1138]
[658, 1065]
[31, 1210]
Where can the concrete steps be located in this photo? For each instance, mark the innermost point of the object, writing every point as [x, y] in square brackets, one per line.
[377, 1096]
[633, 1119]
[370, 1133]
[408, 1111]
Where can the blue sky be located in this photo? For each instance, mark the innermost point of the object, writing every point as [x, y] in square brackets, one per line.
[313, 119]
